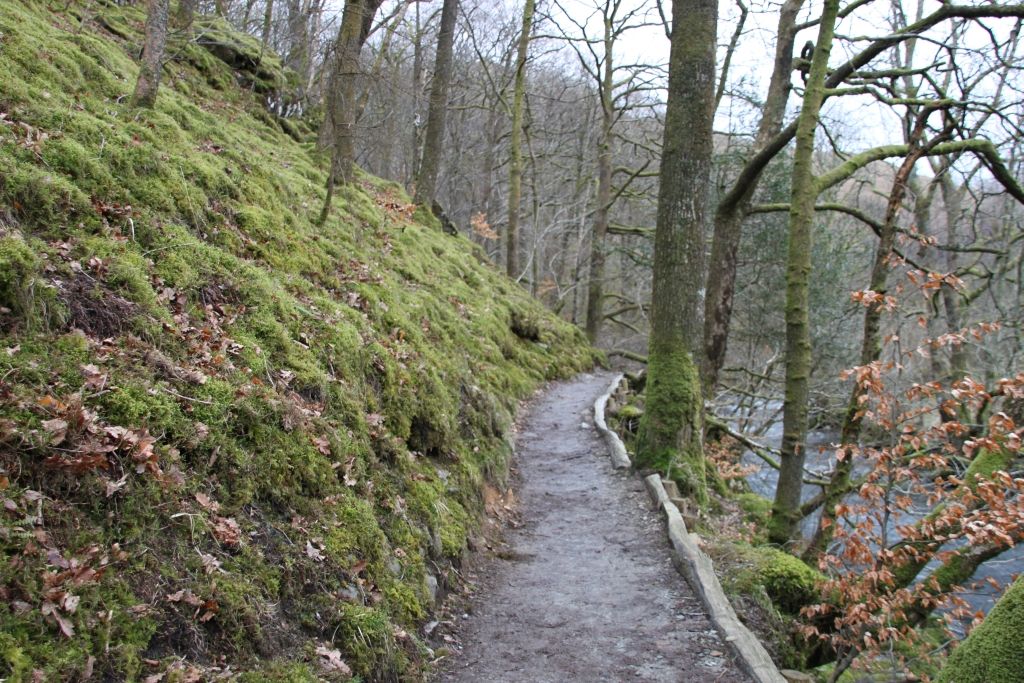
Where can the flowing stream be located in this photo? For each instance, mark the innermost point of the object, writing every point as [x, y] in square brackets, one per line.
[820, 458]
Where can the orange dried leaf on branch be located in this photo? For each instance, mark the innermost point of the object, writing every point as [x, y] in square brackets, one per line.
[478, 222]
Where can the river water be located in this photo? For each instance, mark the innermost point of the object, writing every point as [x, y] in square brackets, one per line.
[820, 458]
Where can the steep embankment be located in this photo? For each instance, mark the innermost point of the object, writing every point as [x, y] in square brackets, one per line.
[230, 440]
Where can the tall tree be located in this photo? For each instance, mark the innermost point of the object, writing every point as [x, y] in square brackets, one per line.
[731, 210]
[301, 23]
[871, 342]
[268, 24]
[671, 435]
[606, 88]
[804, 193]
[340, 121]
[152, 54]
[732, 206]
[437, 110]
[416, 136]
[515, 163]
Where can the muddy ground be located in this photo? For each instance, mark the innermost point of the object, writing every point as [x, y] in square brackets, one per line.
[580, 587]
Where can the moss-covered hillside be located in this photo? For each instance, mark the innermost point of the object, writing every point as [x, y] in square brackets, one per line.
[232, 443]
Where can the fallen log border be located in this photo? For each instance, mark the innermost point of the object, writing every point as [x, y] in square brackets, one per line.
[695, 566]
[620, 459]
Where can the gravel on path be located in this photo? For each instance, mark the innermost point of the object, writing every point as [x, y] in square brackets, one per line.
[585, 590]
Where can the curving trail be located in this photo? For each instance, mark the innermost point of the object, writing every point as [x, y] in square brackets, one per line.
[586, 590]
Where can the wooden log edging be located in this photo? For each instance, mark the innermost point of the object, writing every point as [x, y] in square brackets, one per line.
[620, 459]
[693, 563]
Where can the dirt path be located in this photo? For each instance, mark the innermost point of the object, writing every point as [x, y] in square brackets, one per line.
[585, 589]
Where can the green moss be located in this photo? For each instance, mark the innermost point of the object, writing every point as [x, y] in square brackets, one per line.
[670, 432]
[446, 517]
[757, 509]
[145, 405]
[254, 346]
[18, 663]
[405, 605]
[992, 653]
[787, 580]
[371, 643]
[28, 296]
[355, 535]
[281, 672]
[629, 412]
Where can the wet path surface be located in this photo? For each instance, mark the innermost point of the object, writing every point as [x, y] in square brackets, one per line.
[585, 589]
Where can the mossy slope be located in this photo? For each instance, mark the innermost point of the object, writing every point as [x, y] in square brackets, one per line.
[231, 441]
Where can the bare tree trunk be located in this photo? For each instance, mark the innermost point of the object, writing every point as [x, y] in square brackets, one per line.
[339, 124]
[152, 54]
[298, 53]
[268, 21]
[247, 14]
[595, 286]
[185, 15]
[671, 434]
[786, 507]
[487, 161]
[569, 270]
[378, 63]
[433, 141]
[311, 75]
[515, 163]
[536, 253]
[952, 197]
[721, 280]
[417, 91]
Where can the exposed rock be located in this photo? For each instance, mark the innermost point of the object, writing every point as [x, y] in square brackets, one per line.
[432, 587]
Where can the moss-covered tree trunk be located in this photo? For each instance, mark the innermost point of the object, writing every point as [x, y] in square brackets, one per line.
[870, 351]
[599, 234]
[725, 242]
[671, 435]
[515, 160]
[871, 343]
[148, 83]
[992, 653]
[786, 507]
[437, 109]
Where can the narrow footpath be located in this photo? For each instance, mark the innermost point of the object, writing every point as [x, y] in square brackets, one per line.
[585, 589]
